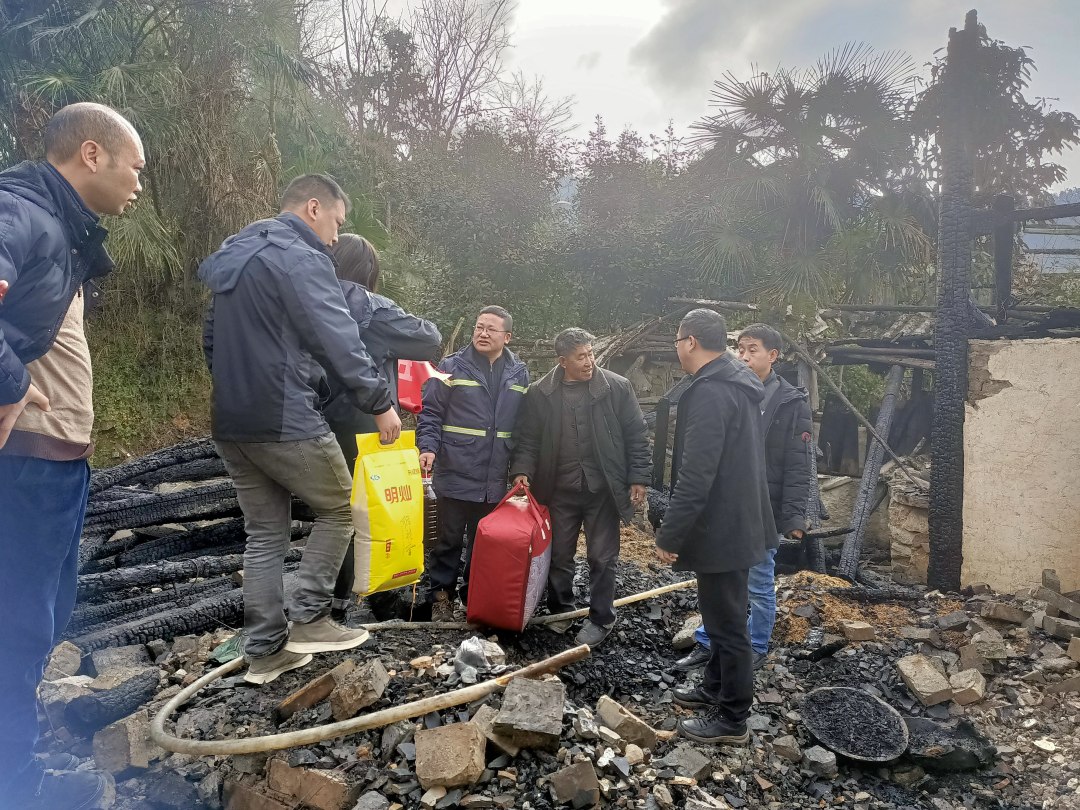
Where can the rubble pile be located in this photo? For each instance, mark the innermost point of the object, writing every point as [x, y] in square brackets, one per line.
[988, 687]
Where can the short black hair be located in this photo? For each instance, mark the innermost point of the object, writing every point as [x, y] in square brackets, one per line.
[768, 336]
[357, 261]
[321, 187]
[75, 124]
[707, 326]
[569, 339]
[508, 322]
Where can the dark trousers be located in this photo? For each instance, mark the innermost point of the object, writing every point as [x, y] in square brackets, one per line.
[722, 599]
[42, 504]
[598, 512]
[457, 524]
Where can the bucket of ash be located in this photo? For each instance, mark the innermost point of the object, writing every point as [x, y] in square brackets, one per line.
[855, 723]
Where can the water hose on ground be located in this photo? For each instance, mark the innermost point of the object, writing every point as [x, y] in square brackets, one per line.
[276, 742]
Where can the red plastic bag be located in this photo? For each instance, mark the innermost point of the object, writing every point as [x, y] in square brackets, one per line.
[412, 374]
[510, 561]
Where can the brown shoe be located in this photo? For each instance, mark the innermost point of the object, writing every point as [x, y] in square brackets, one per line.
[442, 609]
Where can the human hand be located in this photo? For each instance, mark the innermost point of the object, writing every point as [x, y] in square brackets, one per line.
[427, 461]
[389, 424]
[637, 494]
[3, 290]
[797, 534]
[521, 479]
[10, 413]
[666, 557]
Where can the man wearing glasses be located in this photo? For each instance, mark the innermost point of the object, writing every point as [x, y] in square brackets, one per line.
[465, 435]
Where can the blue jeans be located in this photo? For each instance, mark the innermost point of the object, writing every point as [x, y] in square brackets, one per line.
[42, 504]
[762, 589]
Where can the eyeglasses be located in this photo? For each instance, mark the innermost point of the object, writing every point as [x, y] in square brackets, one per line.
[487, 330]
[680, 340]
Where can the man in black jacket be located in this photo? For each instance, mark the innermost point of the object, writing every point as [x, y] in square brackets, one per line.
[277, 310]
[718, 522]
[583, 449]
[789, 431]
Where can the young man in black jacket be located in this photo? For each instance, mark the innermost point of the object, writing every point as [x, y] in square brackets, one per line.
[583, 449]
[789, 432]
[719, 522]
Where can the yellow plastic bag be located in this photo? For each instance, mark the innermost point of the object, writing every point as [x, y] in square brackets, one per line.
[388, 513]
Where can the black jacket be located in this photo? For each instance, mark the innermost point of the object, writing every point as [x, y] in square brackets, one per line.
[622, 440]
[51, 244]
[278, 310]
[789, 441]
[719, 517]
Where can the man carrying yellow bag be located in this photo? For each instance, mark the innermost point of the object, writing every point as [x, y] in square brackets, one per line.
[388, 513]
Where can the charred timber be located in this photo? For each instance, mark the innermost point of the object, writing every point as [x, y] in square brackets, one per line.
[90, 713]
[216, 611]
[218, 534]
[87, 615]
[946, 513]
[201, 469]
[185, 451]
[205, 502]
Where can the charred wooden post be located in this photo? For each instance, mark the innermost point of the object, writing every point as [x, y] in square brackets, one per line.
[659, 449]
[813, 546]
[950, 334]
[190, 450]
[865, 501]
[1004, 204]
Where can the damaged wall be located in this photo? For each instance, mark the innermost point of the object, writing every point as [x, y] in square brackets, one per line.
[1022, 462]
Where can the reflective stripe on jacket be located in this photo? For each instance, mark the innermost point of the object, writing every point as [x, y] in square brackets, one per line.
[472, 448]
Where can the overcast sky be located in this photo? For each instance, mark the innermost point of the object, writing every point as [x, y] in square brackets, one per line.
[639, 63]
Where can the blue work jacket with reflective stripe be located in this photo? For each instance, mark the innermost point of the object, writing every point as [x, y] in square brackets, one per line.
[471, 441]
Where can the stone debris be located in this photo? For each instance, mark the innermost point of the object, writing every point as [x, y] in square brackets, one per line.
[687, 761]
[450, 756]
[532, 713]
[924, 680]
[1061, 628]
[968, 686]
[358, 689]
[1074, 649]
[325, 790]
[857, 631]
[953, 622]
[684, 639]
[124, 744]
[788, 748]
[620, 720]
[64, 661]
[1002, 612]
[485, 721]
[576, 785]
[821, 761]
[316, 690]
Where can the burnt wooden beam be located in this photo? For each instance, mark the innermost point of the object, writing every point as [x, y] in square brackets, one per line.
[734, 306]
[1004, 236]
[984, 222]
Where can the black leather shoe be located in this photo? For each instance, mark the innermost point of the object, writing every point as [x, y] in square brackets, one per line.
[714, 729]
[698, 657]
[696, 698]
[760, 660]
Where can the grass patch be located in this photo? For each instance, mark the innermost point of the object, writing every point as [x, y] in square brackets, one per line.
[151, 386]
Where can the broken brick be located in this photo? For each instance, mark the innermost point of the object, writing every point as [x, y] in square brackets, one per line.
[64, 661]
[238, 795]
[857, 631]
[316, 690]
[450, 756]
[576, 785]
[1004, 613]
[924, 681]
[969, 686]
[485, 720]
[325, 790]
[928, 635]
[124, 744]
[1074, 649]
[358, 689]
[628, 726]
[957, 620]
[1061, 628]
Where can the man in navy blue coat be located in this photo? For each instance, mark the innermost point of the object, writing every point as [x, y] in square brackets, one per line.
[465, 435]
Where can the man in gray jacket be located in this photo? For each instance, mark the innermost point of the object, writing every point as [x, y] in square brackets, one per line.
[278, 310]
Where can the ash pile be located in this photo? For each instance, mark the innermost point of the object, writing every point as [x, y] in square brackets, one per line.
[886, 697]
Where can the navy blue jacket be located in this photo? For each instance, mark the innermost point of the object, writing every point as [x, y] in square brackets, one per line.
[277, 311]
[51, 244]
[789, 441]
[471, 446]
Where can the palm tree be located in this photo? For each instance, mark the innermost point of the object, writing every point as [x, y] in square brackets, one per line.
[809, 186]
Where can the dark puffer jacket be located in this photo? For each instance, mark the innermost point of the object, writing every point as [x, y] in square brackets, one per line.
[618, 429]
[50, 245]
[277, 311]
[789, 441]
[719, 517]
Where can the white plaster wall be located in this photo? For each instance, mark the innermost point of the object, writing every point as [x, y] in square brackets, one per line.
[1022, 463]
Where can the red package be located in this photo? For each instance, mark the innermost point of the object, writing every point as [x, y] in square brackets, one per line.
[412, 374]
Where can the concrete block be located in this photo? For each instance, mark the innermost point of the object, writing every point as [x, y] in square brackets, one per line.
[1050, 580]
[1068, 685]
[64, 661]
[929, 635]
[358, 689]
[576, 785]
[969, 686]
[628, 726]
[325, 790]
[1061, 628]
[687, 761]
[923, 679]
[532, 713]
[1004, 613]
[1059, 665]
[450, 756]
[238, 795]
[485, 720]
[787, 747]
[1057, 601]
[957, 620]
[820, 761]
[316, 690]
[124, 744]
[1074, 649]
[857, 631]
[684, 639]
[634, 755]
